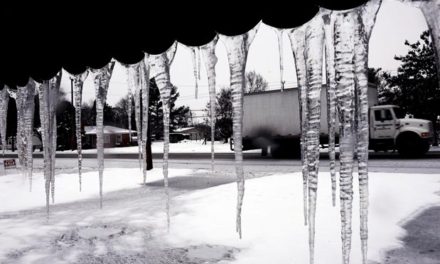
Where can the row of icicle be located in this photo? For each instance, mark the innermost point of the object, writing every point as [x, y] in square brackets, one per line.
[342, 36]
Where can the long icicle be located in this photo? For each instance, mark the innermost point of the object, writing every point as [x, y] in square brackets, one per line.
[279, 33]
[134, 82]
[237, 49]
[129, 103]
[314, 38]
[345, 92]
[101, 79]
[160, 66]
[365, 22]
[48, 97]
[297, 41]
[145, 95]
[78, 81]
[25, 108]
[193, 51]
[329, 24]
[4, 102]
[210, 59]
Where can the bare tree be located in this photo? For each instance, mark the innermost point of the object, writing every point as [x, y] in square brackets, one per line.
[255, 82]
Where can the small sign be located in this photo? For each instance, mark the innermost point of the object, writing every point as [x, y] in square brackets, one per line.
[9, 164]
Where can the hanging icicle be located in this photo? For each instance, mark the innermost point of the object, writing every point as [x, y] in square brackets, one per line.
[208, 52]
[101, 79]
[352, 32]
[4, 102]
[193, 51]
[329, 25]
[25, 117]
[129, 103]
[160, 66]
[314, 44]
[78, 81]
[134, 82]
[48, 95]
[297, 41]
[237, 48]
[280, 33]
[145, 96]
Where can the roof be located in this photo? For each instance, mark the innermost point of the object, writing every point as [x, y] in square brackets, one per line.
[91, 130]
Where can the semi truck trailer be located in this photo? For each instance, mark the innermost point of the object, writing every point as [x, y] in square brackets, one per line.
[271, 122]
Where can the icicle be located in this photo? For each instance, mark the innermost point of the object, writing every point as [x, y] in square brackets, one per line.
[329, 24]
[198, 63]
[145, 91]
[48, 95]
[4, 102]
[208, 52]
[279, 33]
[129, 103]
[345, 93]
[160, 66]
[78, 81]
[195, 70]
[134, 82]
[101, 79]
[171, 53]
[297, 41]
[25, 115]
[314, 43]
[365, 22]
[237, 48]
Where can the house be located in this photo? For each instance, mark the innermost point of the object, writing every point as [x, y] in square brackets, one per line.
[113, 136]
[190, 133]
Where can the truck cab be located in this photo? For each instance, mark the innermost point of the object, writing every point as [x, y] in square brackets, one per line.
[390, 129]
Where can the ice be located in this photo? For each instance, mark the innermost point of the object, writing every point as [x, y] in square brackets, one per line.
[297, 41]
[314, 44]
[134, 83]
[193, 51]
[48, 95]
[78, 80]
[145, 96]
[129, 102]
[210, 59]
[352, 32]
[280, 33]
[329, 24]
[237, 50]
[366, 20]
[161, 67]
[25, 121]
[4, 102]
[101, 78]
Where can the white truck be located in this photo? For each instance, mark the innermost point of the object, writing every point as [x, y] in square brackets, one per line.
[271, 122]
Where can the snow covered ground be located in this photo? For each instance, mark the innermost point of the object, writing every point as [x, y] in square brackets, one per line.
[186, 146]
[131, 228]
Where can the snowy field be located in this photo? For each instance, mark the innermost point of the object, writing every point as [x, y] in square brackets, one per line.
[131, 228]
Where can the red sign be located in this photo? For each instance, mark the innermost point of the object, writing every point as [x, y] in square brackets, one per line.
[9, 164]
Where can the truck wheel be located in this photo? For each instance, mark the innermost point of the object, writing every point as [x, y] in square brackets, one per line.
[411, 145]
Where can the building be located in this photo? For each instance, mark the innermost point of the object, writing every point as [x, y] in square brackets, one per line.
[113, 137]
[190, 133]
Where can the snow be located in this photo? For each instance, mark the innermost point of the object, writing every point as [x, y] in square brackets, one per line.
[186, 146]
[133, 217]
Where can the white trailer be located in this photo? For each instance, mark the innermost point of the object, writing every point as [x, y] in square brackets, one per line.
[271, 121]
